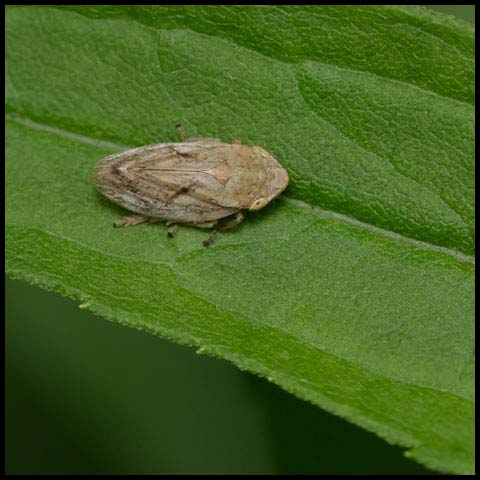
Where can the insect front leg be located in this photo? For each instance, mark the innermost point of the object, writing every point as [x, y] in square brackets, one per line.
[231, 223]
[227, 225]
[213, 235]
[211, 239]
[129, 221]
[212, 224]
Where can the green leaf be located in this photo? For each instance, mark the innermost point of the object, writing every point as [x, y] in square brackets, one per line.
[353, 291]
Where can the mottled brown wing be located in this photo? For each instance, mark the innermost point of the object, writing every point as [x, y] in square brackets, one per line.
[227, 175]
[153, 181]
[199, 179]
[198, 169]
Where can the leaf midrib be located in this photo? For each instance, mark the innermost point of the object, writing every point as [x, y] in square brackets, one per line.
[15, 118]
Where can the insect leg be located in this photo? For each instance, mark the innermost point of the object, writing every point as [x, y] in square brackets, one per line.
[210, 224]
[211, 239]
[129, 221]
[172, 230]
[227, 225]
[181, 132]
[213, 236]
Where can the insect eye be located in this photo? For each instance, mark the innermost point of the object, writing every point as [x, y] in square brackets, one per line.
[258, 204]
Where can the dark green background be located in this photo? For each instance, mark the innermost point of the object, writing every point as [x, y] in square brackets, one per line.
[84, 395]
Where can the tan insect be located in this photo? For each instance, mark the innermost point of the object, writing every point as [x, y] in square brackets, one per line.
[196, 182]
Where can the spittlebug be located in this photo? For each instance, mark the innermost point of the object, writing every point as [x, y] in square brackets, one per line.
[196, 182]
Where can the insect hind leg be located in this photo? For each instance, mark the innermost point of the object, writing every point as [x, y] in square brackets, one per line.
[130, 221]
